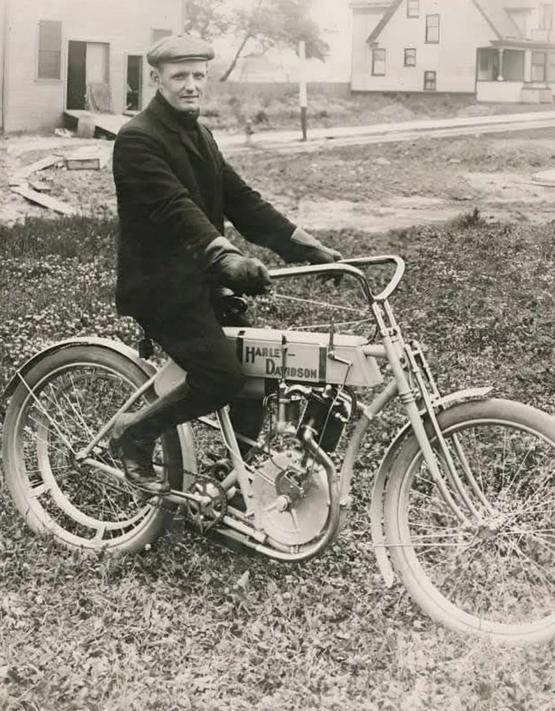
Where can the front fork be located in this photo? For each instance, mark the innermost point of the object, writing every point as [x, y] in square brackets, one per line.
[409, 359]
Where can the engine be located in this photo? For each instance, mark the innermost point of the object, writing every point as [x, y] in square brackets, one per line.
[291, 486]
[324, 412]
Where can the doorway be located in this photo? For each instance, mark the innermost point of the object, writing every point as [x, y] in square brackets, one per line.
[88, 75]
[134, 83]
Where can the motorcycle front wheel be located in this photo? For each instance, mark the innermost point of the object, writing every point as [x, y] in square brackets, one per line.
[490, 571]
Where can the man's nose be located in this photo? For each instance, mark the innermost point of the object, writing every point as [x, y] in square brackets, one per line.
[190, 84]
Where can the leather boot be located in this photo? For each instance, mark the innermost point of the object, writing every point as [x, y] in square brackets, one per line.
[134, 436]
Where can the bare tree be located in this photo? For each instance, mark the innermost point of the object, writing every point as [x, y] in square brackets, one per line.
[262, 23]
[206, 18]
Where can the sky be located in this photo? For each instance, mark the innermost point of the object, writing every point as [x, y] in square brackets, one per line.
[334, 17]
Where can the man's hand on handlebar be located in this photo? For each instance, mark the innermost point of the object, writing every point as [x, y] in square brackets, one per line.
[243, 275]
[315, 252]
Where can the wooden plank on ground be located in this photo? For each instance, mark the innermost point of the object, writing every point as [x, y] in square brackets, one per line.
[40, 186]
[41, 164]
[88, 163]
[88, 158]
[44, 200]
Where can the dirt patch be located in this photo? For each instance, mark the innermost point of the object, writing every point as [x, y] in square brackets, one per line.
[89, 191]
[371, 217]
[373, 188]
[402, 213]
[508, 187]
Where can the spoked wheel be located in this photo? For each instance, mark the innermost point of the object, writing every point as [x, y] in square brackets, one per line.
[64, 402]
[493, 572]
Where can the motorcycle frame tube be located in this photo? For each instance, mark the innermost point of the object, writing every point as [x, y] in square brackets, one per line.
[369, 413]
[108, 425]
[232, 446]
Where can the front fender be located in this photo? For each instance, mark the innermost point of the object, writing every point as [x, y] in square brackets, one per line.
[184, 431]
[380, 482]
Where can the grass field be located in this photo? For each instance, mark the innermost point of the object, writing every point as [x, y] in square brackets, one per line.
[168, 628]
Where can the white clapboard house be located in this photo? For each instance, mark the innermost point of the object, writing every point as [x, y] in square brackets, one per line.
[500, 50]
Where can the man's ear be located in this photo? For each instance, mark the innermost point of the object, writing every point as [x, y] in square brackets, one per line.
[155, 76]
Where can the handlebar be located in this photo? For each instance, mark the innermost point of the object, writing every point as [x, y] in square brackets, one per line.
[349, 267]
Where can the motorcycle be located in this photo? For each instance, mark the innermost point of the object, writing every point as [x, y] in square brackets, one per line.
[462, 502]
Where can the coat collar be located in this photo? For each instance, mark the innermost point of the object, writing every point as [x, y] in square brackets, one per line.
[164, 113]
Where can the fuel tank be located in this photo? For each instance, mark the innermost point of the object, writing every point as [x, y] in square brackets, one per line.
[304, 357]
[270, 354]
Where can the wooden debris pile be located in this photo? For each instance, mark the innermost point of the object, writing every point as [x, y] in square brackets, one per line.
[24, 183]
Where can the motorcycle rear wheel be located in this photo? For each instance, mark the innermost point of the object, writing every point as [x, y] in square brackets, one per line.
[65, 400]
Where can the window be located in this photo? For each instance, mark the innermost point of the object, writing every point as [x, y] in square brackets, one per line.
[429, 81]
[160, 34]
[546, 17]
[413, 8]
[432, 29]
[551, 67]
[378, 62]
[539, 66]
[50, 50]
[410, 57]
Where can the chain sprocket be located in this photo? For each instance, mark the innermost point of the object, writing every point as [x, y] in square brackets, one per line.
[207, 514]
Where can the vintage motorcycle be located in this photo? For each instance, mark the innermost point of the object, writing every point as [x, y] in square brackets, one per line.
[462, 503]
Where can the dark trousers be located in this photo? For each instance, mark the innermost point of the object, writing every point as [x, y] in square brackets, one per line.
[214, 374]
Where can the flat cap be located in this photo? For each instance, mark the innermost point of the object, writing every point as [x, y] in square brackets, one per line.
[179, 49]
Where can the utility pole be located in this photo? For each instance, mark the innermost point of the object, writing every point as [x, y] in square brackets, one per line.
[303, 94]
[183, 16]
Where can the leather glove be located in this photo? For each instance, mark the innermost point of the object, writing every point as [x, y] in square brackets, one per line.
[313, 250]
[243, 275]
[228, 267]
[317, 253]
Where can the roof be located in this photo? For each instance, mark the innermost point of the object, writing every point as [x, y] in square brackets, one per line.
[495, 12]
[497, 15]
[388, 14]
[361, 4]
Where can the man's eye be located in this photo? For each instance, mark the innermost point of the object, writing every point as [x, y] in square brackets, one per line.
[199, 76]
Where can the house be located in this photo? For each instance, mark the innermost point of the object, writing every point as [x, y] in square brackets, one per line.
[77, 54]
[499, 50]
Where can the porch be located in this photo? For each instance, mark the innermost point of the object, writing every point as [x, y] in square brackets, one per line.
[516, 74]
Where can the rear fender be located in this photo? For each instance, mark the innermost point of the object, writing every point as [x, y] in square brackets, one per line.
[184, 431]
[115, 346]
[382, 477]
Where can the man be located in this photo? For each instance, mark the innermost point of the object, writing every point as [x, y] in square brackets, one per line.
[174, 189]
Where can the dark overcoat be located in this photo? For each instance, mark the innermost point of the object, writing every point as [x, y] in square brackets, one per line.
[173, 195]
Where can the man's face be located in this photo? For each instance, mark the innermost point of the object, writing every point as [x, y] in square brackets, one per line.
[182, 84]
